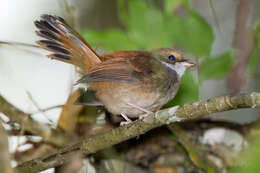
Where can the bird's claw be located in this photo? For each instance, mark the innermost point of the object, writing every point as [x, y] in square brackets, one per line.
[128, 121]
[123, 123]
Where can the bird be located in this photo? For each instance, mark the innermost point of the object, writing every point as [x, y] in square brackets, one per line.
[130, 83]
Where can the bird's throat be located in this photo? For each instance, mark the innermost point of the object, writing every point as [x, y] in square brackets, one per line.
[178, 68]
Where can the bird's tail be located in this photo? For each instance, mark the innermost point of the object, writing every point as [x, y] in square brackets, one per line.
[65, 43]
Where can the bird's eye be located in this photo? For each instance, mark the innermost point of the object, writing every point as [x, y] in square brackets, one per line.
[172, 58]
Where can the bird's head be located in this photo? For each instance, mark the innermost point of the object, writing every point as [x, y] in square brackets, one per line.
[173, 60]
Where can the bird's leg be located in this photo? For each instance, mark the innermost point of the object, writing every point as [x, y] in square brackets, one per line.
[147, 112]
[143, 116]
[127, 120]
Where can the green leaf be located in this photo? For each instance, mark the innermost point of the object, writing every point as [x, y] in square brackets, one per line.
[191, 33]
[171, 5]
[149, 28]
[112, 39]
[216, 67]
[145, 25]
[249, 157]
[255, 60]
[188, 92]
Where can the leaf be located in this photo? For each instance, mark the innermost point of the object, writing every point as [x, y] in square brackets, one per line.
[188, 92]
[191, 33]
[250, 156]
[171, 5]
[149, 28]
[145, 25]
[112, 39]
[255, 59]
[216, 67]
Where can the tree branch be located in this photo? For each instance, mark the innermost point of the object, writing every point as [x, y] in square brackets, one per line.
[175, 114]
[54, 137]
[243, 44]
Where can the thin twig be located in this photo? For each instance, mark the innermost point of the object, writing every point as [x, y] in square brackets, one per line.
[41, 110]
[214, 15]
[38, 107]
[26, 47]
[13, 43]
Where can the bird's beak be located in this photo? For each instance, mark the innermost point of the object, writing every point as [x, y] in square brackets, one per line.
[188, 64]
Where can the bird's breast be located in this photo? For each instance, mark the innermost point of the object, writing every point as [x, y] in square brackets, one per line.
[119, 96]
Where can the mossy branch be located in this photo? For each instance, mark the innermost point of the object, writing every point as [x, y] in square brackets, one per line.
[175, 114]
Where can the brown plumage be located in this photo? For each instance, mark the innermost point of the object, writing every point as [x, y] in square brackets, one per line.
[125, 82]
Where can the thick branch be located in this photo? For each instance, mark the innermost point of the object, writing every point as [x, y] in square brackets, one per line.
[243, 45]
[175, 114]
[28, 124]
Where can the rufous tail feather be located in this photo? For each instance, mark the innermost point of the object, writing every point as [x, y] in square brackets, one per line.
[65, 43]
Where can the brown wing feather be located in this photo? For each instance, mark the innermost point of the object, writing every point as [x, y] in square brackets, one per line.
[65, 43]
[138, 60]
[124, 69]
[111, 70]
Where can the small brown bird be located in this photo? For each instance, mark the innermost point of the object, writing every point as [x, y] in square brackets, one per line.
[128, 83]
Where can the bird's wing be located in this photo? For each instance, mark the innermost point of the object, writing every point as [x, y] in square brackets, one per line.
[125, 69]
[65, 43]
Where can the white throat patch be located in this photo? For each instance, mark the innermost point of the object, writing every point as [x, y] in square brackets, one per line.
[179, 68]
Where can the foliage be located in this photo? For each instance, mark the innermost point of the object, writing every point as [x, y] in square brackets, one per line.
[216, 67]
[176, 25]
[188, 92]
[253, 159]
[250, 158]
[150, 28]
[254, 60]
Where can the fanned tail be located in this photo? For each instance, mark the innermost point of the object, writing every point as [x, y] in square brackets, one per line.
[65, 43]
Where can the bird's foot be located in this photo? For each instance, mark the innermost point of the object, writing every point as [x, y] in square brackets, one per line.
[127, 120]
[123, 123]
[144, 115]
